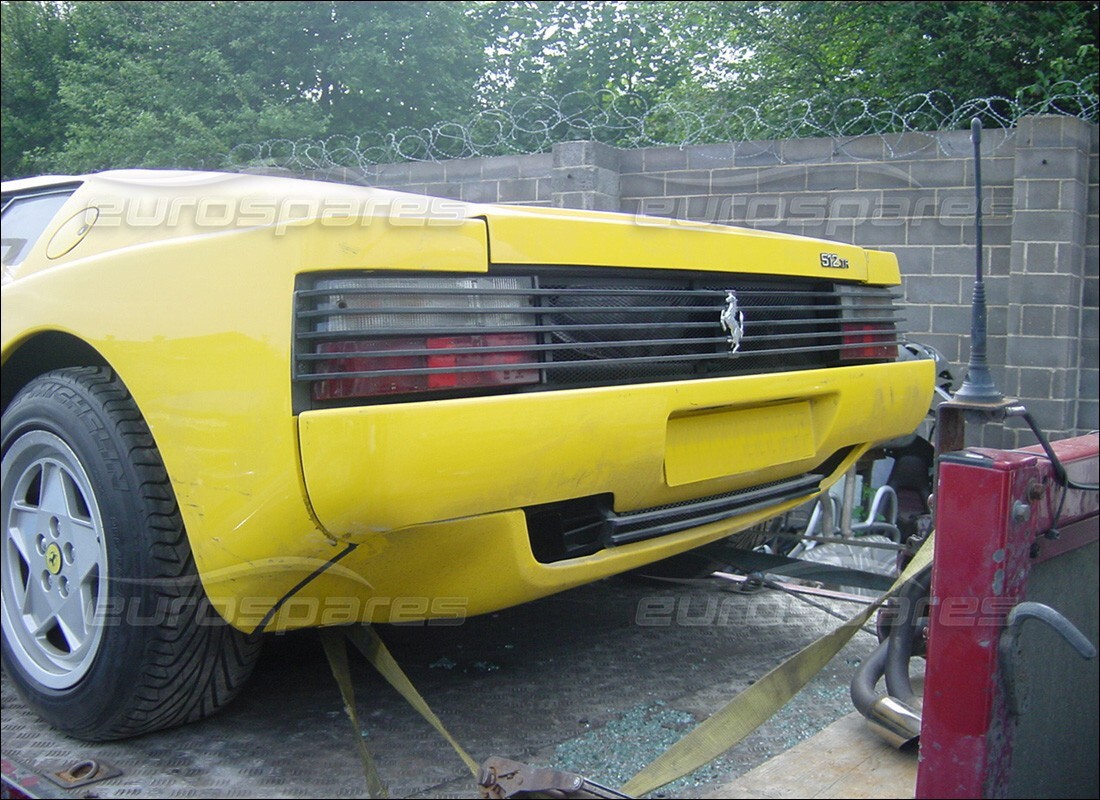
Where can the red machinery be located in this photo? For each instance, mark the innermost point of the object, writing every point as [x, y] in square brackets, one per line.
[1010, 707]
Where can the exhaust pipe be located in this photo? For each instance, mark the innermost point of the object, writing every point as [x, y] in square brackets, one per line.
[894, 721]
[890, 715]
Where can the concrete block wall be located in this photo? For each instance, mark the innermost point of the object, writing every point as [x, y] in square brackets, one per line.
[517, 179]
[1048, 354]
[912, 194]
[1089, 377]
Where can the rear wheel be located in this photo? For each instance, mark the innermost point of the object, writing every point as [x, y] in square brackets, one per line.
[107, 631]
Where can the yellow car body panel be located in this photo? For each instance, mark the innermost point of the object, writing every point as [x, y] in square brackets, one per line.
[343, 514]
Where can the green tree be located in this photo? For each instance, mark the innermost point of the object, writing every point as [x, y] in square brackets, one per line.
[386, 65]
[692, 63]
[554, 48]
[563, 67]
[90, 85]
[34, 40]
[160, 84]
[180, 84]
[780, 52]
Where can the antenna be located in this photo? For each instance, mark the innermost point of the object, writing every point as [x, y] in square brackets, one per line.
[978, 386]
[978, 397]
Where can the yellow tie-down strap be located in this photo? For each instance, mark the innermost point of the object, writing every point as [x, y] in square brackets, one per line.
[375, 651]
[758, 703]
[710, 739]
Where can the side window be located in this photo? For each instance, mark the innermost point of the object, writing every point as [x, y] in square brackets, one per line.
[24, 219]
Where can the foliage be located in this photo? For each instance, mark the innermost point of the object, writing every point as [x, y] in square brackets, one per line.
[640, 48]
[892, 50]
[174, 84]
[34, 41]
[706, 60]
[90, 85]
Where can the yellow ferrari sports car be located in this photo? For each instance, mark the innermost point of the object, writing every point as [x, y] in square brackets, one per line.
[235, 404]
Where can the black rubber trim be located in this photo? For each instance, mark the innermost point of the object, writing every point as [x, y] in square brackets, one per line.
[300, 585]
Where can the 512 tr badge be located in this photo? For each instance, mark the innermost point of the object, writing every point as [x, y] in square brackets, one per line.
[833, 261]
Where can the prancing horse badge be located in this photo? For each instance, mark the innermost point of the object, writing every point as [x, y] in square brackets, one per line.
[733, 321]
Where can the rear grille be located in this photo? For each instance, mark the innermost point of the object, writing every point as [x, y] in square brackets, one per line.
[586, 525]
[605, 331]
[563, 328]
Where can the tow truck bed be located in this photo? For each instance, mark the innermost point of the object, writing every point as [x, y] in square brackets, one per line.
[595, 680]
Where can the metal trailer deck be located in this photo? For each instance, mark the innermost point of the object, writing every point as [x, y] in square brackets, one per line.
[598, 680]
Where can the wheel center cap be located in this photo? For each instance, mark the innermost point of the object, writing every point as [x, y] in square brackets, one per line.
[53, 559]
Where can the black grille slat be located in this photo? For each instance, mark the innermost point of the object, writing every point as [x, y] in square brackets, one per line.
[415, 310]
[779, 323]
[542, 292]
[781, 350]
[637, 526]
[786, 337]
[452, 331]
[540, 364]
[583, 526]
[497, 349]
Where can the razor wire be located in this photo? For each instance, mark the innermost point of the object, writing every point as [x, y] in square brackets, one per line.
[907, 127]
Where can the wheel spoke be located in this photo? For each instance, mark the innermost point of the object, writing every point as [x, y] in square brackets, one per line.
[22, 529]
[54, 498]
[74, 618]
[84, 549]
[38, 606]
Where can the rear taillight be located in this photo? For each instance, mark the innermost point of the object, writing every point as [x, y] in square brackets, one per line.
[867, 342]
[376, 336]
[868, 324]
[400, 366]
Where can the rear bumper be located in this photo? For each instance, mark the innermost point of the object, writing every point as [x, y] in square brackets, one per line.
[380, 468]
[436, 490]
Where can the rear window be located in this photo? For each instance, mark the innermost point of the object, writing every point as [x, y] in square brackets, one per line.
[24, 219]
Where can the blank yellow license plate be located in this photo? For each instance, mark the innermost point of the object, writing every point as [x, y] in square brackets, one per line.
[720, 442]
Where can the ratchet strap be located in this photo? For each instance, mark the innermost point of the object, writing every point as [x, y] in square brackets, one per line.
[758, 703]
[337, 653]
[710, 739]
[366, 641]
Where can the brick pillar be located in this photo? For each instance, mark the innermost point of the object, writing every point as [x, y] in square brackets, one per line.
[585, 175]
[1047, 274]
